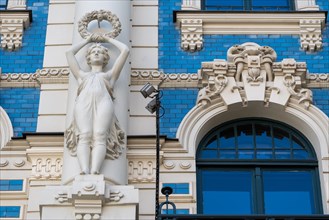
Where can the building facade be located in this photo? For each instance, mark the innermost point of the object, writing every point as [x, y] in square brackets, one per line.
[242, 128]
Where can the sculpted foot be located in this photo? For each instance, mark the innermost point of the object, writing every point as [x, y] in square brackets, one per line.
[84, 172]
[95, 172]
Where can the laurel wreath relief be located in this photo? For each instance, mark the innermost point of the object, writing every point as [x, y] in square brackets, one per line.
[100, 15]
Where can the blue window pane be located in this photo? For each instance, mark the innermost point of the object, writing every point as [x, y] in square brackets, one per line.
[300, 154]
[209, 154]
[264, 154]
[9, 211]
[282, 154]
[277, 5]
[227, 138]
[212, 143]
[11, 185]
[263, 136]
[178, 188]
[246, 154]
[281, 138]
[3, 4]
[178, 211]
[288, 192]
[245, 136]
[227, 154]
[227, 192]
[296, 143]
[223, 4]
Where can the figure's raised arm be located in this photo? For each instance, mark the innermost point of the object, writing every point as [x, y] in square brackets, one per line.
[120, 61]
[72, 61]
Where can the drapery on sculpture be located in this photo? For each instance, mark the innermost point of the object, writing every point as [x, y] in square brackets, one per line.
[94, 133]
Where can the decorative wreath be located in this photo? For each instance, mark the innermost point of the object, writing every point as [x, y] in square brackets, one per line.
[99, 16]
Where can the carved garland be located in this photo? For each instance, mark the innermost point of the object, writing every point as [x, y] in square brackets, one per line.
[100, 15]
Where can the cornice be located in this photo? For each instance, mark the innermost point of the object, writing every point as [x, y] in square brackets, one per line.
[138, 77]
[195, 23]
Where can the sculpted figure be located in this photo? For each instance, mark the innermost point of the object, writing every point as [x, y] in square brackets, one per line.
[95, 132]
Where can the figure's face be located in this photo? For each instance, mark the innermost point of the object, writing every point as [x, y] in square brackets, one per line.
[97, 56]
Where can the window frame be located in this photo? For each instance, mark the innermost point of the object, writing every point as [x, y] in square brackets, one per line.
[258, 165]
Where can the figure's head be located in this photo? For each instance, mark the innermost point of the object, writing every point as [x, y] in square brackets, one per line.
[97, 54]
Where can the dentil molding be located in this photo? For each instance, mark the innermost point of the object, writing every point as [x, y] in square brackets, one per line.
[12, 25]
[194, 24]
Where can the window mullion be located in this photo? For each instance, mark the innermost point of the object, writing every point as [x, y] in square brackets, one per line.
[247, 5]
[258, 190]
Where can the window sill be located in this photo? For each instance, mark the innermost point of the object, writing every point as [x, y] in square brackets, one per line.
[194, 24]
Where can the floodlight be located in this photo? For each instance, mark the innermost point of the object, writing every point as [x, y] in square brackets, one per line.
[152, 106]
[147, 90]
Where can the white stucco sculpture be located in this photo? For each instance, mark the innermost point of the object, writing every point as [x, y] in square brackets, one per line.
[95, 132]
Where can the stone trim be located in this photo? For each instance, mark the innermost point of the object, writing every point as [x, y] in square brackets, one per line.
[12, 24]
[307, 24]
[138, 77]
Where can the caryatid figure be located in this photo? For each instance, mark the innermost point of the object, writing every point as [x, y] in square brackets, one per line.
[95, 132]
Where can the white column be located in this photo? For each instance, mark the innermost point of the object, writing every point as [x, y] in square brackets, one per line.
[114, 171]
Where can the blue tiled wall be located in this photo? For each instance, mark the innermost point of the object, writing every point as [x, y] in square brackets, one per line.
[21, 105]
[172, 59]
[176, 102]
[321, 99]
[29, 57]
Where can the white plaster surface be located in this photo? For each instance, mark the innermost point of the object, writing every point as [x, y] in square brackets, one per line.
[59, 34]
[144, 36]
[53, 123]
[144, 58]
[61, 13]
[55, 56]
[137, 104]
[145, 2]
[141, 126]
[145, 15]
[52, 102]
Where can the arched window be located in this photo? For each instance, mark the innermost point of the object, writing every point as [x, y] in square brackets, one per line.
[257, 166]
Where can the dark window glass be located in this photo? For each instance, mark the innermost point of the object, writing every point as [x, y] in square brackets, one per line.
[3, 4]
[245, 136]
[255, 140]
[227, 138]
[262, 167]
[9, 211]
[288, 192]
[263, 136]
[250, 5]
[227, 192]
[223, 5]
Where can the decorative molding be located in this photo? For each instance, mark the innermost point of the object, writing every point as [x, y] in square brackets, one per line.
[12, 24]
[141, 171]
[16, 5]
[47, 167]
[191, 35]
[307, 24]
[310, 35]
[138, 77]
[41, 76]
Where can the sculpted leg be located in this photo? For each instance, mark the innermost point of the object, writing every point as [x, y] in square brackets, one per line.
[83, 152]
[101, 125]
[98, 152]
